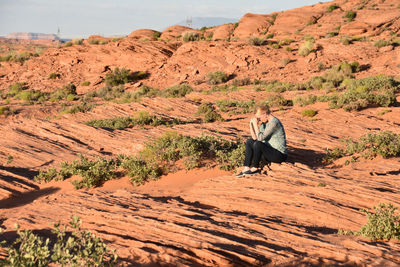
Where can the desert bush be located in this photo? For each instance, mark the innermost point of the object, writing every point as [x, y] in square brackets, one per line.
[345, 41]
[276, 46]
[305, 100]
[257, 41]
[383, 224]
[118, 77]
[338, 73]
[140, 118]
[377, 90]
[32, 96]
[241, 82]
[285, 61]
[278, 87]
[176, 91]
[308, 37]
[53, 76]
[80, 248]
[78, 41]
[217, 77]
[269, 36]
[350, 15]
[382, 43]
[385, 144]
[140, 171]
[331, 8]
[288, 48]
[156, 35]
[94, 41]
[81, 107]
[208, 112]
[85, 83]
[221, 88]
[18, 57]
[193, 151]
[68, 92]
[93, 173]
[6, 111]
[68, 44]
[277, 100]
[191, 36]
[331, 34]
[235, 107]
[309, 113]
[306, 48]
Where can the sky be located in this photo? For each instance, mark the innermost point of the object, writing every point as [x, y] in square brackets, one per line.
[81, 18]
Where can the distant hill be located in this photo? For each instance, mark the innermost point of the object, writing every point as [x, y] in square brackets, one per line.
[32, 36]
[198, 22]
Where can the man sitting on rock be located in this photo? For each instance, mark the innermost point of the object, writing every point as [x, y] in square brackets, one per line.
[268, 140]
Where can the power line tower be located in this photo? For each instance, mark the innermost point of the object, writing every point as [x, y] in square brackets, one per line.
[189, 22]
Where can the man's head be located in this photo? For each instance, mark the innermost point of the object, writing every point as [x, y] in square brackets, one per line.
[262, 113]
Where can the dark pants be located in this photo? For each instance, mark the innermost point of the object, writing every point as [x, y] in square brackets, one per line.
[256, 149]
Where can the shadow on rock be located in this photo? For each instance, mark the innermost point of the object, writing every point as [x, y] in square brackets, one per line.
[26, 198]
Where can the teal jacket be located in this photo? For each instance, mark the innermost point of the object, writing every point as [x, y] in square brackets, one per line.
[273, 133]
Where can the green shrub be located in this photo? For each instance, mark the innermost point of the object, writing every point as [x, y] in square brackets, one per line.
[236, 107]
[6, 111]
[241, 82]
[156, 35]
[18, 57]
[308, 37]
[385, 144]
[221, 88]
[140, 118]
[217, 77]
[269, 36]
[68, 44]
[53, 76]
[345, 41]
[191, 36]
[85, 83]
[32, 96]
[370, 91]
[382, 43]
[285, 61]
[305, 100]
[257, 41]
[331, 34]
[277, 101]
[309, 113]
[80, 248]
[207, 110]
[118, 77]
[331, 8]
[81, 107]
[94, 41]
[306, 48]
[176, 91]
[139, 170]
[383, 224]
[68, 92]
[78, 41]
[93, 173]
[350, 15]
[279, 87]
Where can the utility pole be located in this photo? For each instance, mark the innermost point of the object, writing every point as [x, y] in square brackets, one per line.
[189, 22]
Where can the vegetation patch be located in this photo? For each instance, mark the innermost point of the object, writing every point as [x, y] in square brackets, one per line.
[140, 118]
[217, 77]
[176, 91]
[306, 48]
[331, 8]
[257, 41]
[235, 107]
[158, 157]
[350, 15]
[18, 57]
[122, 76]
[77, 108]
[377, 90]
[383, 224]
[191, 36]
[385, 144]
[208, 112]
[78, 248]
[309, 113]
[278, 86]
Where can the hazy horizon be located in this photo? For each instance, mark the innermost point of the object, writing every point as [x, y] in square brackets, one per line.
[120, 17]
